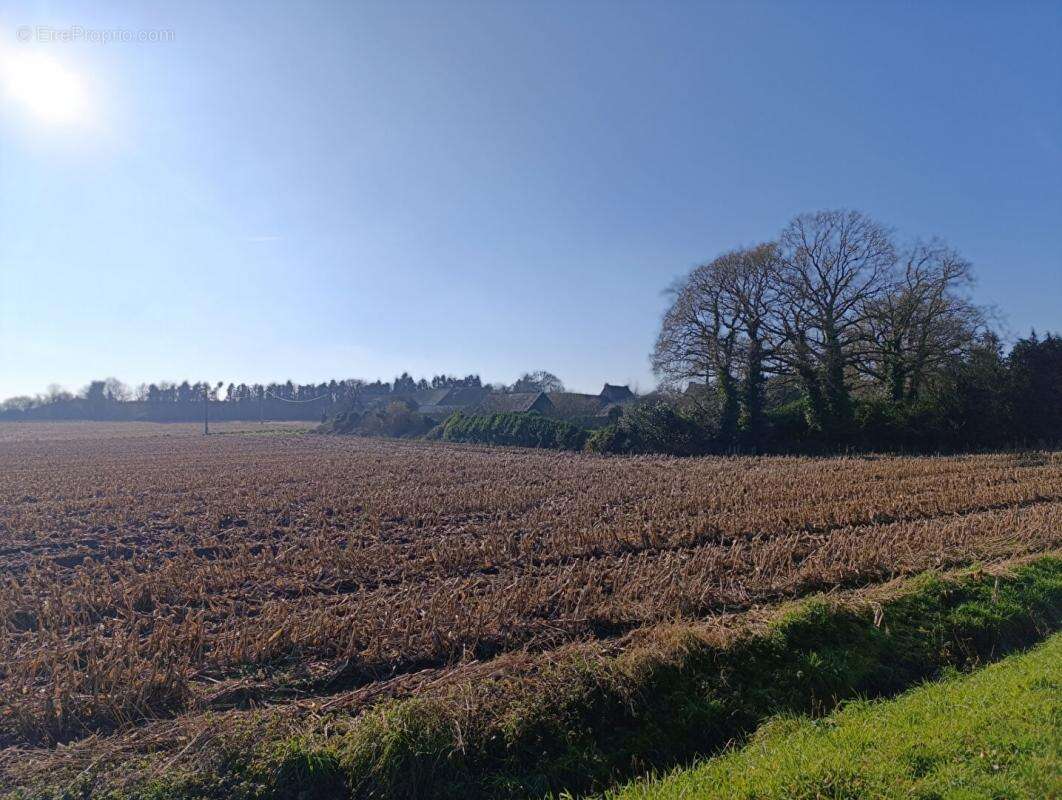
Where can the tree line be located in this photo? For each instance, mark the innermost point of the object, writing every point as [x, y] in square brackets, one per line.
[111, 399]
[835, 334]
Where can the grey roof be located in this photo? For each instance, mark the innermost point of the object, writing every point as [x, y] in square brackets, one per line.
[464, 396]
[573, 404]
[616, 394]
[459, 398]
[513, 402]
[443, 402]
[430, 397]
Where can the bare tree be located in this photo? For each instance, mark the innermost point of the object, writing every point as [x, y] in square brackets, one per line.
[698, 337]
[57, 394]
[116, 391]
[747, 277]
[832, 266]
[538, 381]
[922, 322]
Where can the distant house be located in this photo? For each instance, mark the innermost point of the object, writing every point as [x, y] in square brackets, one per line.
[572, 405]
[456, 398]
[592, 410]
[515, 403]
[429, 398]
[616, 394]
[460, 396]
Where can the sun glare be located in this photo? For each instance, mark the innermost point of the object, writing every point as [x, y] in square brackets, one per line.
[50, 91]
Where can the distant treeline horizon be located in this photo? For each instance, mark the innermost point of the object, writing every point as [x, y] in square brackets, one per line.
[110, 399]
[833, 335]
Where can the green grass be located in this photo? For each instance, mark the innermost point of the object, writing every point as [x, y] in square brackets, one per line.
[995, 733]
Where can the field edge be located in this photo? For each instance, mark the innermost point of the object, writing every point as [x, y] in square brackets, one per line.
[585, 724]
[1004, 743]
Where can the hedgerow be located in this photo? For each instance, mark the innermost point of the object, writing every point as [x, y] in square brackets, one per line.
[513, 429]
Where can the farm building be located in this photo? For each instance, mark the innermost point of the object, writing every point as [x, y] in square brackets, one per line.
[591, 410]
[515, 402]
[429, 398]
[616, 394]
[573, 405]
[586, 409]
[443, 402]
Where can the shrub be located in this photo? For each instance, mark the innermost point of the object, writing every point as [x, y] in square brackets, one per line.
[398, 419]
[345, 422]
[516, 429]
[654, 427]
[788, 424]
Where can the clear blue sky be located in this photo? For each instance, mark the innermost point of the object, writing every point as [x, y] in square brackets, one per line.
[311, 190]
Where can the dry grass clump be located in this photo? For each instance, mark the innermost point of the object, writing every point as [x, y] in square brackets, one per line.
[151, 575]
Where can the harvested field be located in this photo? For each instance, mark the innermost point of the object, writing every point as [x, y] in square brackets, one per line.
[147, 572]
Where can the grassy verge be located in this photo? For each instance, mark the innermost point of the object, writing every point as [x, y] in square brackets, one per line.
[584, 723]
[994, 733]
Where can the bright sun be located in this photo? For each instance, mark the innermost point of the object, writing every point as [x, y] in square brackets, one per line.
[45, 87]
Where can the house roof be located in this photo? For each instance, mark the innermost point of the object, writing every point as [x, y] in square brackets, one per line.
[616, 394]
[430, 397]
[447, 400]
[464, 396]
[512, 402]
[573, 404]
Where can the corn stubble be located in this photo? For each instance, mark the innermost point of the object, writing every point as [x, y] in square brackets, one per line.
[148, 576]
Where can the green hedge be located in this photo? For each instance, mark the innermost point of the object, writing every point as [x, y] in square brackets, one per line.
[397, 419]
[515, 429]
[588, 723]
[655, 427]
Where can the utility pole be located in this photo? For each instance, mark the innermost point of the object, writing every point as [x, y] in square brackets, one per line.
[206, 409]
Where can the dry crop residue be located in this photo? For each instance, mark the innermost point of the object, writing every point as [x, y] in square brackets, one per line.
[148, 572]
